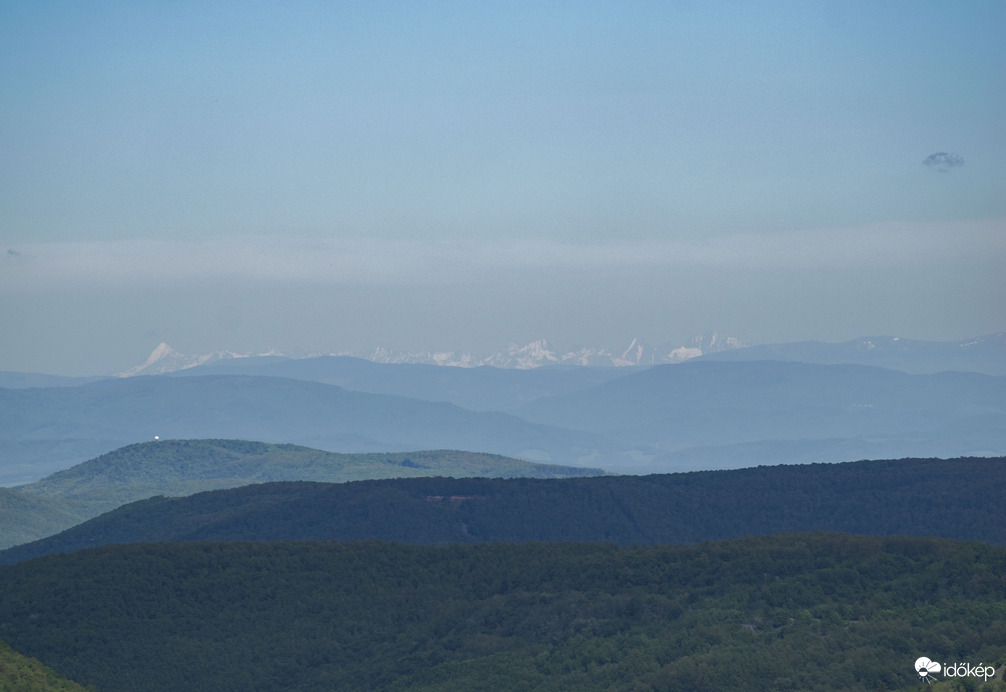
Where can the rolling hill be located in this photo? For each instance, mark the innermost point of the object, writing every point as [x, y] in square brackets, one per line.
[183, 467]
[477, 389]
[26, 517]
[693, 415]
[710, 414]
[958, 498]
[118, 412]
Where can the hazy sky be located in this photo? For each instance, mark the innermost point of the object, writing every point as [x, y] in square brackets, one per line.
[334, 176]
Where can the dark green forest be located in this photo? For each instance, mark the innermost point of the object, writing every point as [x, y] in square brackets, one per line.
[594, 583]
[786, 612]
[956, 498]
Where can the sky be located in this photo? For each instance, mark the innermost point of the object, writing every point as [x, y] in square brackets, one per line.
[328, 177]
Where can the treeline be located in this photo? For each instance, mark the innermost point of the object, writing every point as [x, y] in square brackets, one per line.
[789, 612]
[959, 499]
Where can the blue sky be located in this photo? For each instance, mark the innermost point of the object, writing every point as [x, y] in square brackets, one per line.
[433, 175]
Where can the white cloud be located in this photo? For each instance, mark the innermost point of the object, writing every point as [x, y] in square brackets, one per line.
[35, 267]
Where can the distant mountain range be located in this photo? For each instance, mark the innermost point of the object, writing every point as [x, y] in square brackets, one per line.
[164, 359]
[112, 413]
[477, 389]
[700, 414]
[985, 354]
[786, 403]
[715, 414]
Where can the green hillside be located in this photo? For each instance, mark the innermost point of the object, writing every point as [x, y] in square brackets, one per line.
[21, 674]
[183, 467]
[788, 612]
[25, 517]
[947, 498]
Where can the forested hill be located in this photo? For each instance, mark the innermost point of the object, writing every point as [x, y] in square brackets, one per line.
[21, 674]
[793, 612]
[183, 467]
[957, 498]
[25, 517]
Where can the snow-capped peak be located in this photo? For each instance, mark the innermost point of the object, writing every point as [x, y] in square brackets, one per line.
[714, 342]
[532, 355]
[162, 359]
[161, 352]
[633, 353]
[538, 353]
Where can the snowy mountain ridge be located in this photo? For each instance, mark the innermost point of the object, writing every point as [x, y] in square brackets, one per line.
[986, 354]
[164, 359]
